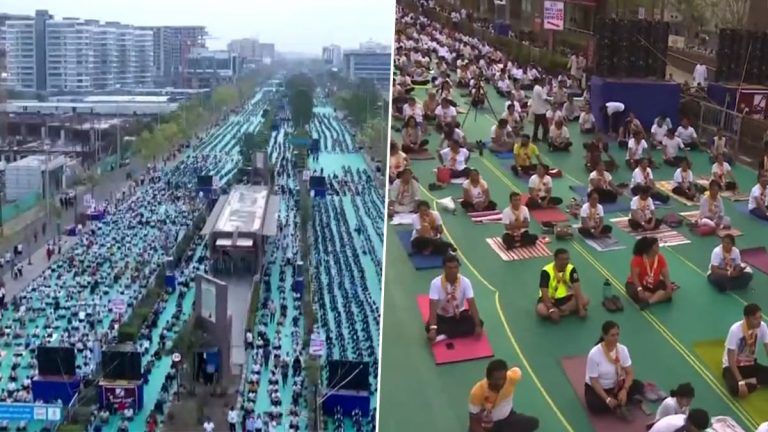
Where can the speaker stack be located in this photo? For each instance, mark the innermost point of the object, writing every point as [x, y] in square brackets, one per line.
[631, 48]
[742, 53]
[121, 363]
[348, 387]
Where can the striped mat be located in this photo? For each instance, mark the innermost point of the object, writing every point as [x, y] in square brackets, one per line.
[667, 186]
[733, 196]
[604, 244]
[667, 236]
[523, 253]
[486, 217]
[693, 216]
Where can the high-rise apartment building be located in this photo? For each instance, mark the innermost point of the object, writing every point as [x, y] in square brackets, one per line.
[332, 55]
[248, 48]
[72, 54]
[171, 48]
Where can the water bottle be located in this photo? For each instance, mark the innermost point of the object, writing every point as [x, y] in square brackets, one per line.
[606, 289]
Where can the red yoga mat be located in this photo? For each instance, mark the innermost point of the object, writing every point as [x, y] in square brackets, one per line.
[455, 350]
[756, 257]
[576, 370]
[554, 214]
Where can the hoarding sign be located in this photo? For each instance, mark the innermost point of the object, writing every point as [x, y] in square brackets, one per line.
[554, 15]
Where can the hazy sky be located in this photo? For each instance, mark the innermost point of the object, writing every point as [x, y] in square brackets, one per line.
[294, 25]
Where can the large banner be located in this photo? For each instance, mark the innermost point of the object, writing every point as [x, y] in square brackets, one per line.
[554, 15]
[120, 397]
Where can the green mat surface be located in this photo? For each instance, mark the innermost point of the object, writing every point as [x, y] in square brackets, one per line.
[711, 352]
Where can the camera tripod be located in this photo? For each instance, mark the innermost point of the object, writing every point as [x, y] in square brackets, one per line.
[472, 106]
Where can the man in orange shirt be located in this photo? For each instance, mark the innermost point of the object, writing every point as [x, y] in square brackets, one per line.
[491, 407]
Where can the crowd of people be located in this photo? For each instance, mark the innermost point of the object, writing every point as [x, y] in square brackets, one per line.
[455, 69]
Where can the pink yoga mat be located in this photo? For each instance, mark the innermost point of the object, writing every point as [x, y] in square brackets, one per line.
[555, 214]
[756, 257]
[455, 350]
[576, 368]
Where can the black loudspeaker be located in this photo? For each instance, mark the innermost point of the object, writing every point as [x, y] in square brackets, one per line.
[631, 48]
[56, 361]
[121, 363]
[204, 181]
[349, 375]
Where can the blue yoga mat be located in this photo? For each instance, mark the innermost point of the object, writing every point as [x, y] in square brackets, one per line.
[620, 206]
[505, 155]
[743, 208]
[420, 262]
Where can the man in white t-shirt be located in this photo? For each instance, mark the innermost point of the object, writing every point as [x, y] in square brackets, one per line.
[208, 425]
[699, 75]
[658, 132]
[587, 121]
[741, 371]
[426, 238]
[758, 199]
[636, 148]
[540, 190]
[670, 145]
[643, 211]
[516, 219]
[696, 421]
[502, 137]
[538, 107]
[445, 114]
[452, 309]
[687, 135]
[613, 113]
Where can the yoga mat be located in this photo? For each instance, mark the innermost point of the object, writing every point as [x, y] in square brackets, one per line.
[743, 208]
[622, 205]
[504, 155]
[487, 219]
[482, 214]
[555, 214]
[666, 235]
[693, 216]
[711, 354]
[757, 258]
[419, 261]
[459, 349]
[575, 369]
[458, 181]
[539, 250]
[735, 197]
[604, 244]
[402, 219]
[423, 155]
[666, 187]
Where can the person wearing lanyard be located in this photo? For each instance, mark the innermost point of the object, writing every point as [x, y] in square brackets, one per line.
[491, 406]
[452, 309]
[428, 232]
[540, 190]
[610, 379]
[593, 218]
[516, 220]
[726, 270]
[560, 290]
[455, 158]
[477, 197]
[742, 373]
[722, 172]
[648, 282]
[525, 152]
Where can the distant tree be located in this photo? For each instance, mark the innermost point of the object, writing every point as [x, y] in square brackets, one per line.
[374, 135]
[300, 81]
[301, 103]
[361, 101]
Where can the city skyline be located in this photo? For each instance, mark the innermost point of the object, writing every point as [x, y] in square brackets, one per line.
[266, 21]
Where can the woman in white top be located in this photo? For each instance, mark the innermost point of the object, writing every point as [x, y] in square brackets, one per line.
[559, 137]
[720, 146]
[636, 148]
[684, 183]
[427, 237]
[540, 190]
[502, 137]
[678, 402]
[722, 172]
[455, 158]
[758, 199]
[727, 271]
[404, 194]
[477, 197]
[610, 380]
[642, 176]
[593, 218]
[587, 121]
[601, 181]
[711, 212]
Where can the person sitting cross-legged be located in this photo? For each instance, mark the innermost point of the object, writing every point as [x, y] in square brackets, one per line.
[476, 197]
[404, 194]
[648, 282]
[601, 182]
[593, 218]
[742, 373]
[595, 150]
[540, 190]
[670, 145]
[559, 137]
[516, 219]
[491, 407]
[525, 151]
[427, 237]
[758, 199]
[502, 137]
[560, 288]
[711, 211]
[452, 309]
[727, 272]
[723, 173]
[642, 176]
[455, 158]
[643, 212]
[684, 183]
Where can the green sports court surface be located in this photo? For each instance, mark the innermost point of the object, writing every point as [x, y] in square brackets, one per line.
[669, 343]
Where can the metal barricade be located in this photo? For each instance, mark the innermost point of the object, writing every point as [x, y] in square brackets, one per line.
[713, 118]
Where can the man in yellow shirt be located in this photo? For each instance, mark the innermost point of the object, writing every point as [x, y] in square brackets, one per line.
[525, 152]
[491, 407]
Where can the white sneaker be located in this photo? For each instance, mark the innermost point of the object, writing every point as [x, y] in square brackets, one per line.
[440, 338]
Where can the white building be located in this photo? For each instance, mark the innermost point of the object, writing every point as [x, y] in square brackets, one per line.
[71, 54]
[332, 55]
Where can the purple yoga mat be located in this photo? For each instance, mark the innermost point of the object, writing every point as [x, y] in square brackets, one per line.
[576, 369]
[756, 257]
